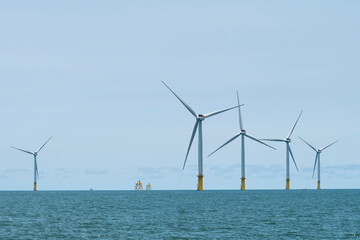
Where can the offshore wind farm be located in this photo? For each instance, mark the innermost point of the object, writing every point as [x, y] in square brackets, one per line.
[111, 133]
[198, 129]
[179, 119]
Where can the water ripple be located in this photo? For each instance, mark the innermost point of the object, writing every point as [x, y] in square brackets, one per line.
[311, 214]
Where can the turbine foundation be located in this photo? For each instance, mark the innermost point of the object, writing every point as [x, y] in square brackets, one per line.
[318, 185]
[200, 182]
[35, 186]
[242, 183]
[287, 184]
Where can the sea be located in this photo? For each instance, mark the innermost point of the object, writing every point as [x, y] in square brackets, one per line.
[213, 214]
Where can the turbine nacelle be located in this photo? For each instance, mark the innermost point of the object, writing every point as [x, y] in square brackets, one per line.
[287, 139]
[201, 117]
[243, 131]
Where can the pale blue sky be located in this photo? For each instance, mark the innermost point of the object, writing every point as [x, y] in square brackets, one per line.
[88, 73]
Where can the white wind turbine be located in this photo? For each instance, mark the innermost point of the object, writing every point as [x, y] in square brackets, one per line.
[36, 173]
[198, 126]
[243, 134]
[287, 140]
[317, 158]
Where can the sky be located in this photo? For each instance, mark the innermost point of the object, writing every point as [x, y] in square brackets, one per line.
[89, 74]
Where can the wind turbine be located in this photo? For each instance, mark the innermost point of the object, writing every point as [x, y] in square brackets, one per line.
[317, 158]
[287, 140]
[36, 173]
[198, 126]
[243, 134]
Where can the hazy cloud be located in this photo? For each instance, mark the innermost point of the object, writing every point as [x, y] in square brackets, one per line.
[16, 170]
[95, 172]
[344, 171]
[254, 169]
[348, 167]
[151, 171]
[158, 173]
[12, 171]
[65, 171]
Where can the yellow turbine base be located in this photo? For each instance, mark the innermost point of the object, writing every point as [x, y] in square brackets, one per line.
[287, 184]
[318, 186]
[35, 186]
[200, 182]
[242, 183]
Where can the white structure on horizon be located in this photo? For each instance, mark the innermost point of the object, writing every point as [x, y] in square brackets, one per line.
[138, 186]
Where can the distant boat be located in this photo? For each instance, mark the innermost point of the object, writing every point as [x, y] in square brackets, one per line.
[91, 189]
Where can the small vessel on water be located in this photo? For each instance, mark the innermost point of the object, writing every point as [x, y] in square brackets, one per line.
[148, 187]
[138, 186]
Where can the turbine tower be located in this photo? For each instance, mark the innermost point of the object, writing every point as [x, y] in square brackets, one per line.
[317, 158]
[287, 140]
[243, 134]
[36, 173]
[198, 126]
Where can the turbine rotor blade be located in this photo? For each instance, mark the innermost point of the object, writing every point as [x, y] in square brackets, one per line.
[257, 140]
[43, 145]
[23, 150]
[292, 156]
[316, 158]
[182, 101]
[291, 131]
[308, 144]
[217, 112]
[273, 140]
[240, 119]
[328, 145]
[230, 140]
[191, 140]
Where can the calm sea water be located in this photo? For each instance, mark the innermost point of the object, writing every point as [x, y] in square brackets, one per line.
[268, 214]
